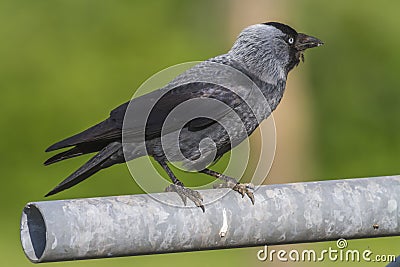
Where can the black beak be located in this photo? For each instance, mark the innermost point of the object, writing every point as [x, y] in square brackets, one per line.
[304, 42]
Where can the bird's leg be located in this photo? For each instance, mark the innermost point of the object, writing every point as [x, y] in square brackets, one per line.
[178, 187]
[243, 189]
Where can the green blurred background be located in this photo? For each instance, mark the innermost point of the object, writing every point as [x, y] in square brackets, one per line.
[66, 64]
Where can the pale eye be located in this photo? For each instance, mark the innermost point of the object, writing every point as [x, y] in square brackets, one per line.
[291, 40]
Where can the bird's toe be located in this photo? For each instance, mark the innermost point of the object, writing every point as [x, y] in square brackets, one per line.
[185, 193]
[245, 189]
[242, 189]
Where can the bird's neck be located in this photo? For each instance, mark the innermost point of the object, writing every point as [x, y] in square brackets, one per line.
[260, 64]
[271, 89]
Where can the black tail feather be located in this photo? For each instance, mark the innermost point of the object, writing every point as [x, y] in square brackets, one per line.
[79, 150]
[99, 161]
[74, 152]
[104, 131]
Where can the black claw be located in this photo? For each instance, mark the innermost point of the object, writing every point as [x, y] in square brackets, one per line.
[251, 196]
[184, 199]
[202, 207]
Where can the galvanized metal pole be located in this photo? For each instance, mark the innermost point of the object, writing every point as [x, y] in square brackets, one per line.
[137, 225]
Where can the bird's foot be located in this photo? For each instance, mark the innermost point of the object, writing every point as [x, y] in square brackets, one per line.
[243, 189]
[186, 193]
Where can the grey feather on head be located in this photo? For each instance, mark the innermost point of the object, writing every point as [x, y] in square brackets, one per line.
[262, 51]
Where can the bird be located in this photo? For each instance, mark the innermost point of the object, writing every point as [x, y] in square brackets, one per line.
[263, 53]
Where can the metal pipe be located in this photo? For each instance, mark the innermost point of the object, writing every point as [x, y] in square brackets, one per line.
[138, 224]
[395, 263]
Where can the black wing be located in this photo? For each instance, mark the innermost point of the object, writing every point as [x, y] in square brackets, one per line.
[153, 109]
[147, 114]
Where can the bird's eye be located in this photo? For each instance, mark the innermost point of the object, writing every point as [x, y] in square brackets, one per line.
[291, 40]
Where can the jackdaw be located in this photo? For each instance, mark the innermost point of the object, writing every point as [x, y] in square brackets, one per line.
[262, 53]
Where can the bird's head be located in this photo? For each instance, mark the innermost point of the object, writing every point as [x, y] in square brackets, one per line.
[270, 50]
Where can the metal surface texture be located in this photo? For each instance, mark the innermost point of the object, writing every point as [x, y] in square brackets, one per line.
[283, 214]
